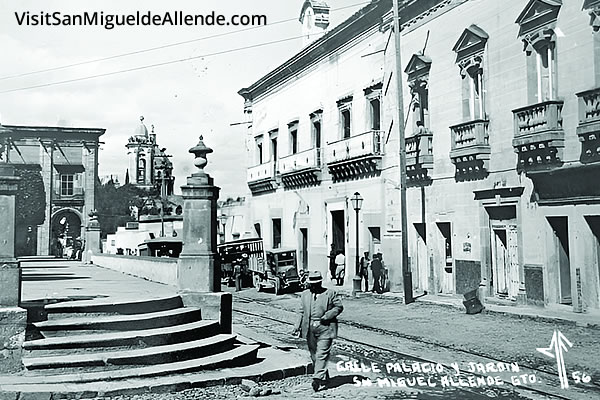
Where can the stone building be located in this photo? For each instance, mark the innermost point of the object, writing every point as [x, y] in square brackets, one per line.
[503, 116]
[316, 138]
[59, 166]
[501, 105]
[149, 165]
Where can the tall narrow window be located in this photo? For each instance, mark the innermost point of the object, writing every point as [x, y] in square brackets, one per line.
[293, 130]
[315, 121]
[469, 56]
[259, 150]
[141, 175]
[276, 233]
[418, 80]
[373, 97]
[345, 108]
[536, 28]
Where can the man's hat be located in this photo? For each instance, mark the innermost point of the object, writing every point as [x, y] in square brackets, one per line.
[315, 277]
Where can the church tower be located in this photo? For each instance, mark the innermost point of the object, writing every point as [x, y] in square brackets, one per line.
[314, 18]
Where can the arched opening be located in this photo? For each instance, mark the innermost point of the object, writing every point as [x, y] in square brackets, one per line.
[66, 240]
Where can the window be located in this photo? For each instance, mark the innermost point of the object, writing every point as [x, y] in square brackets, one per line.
[273, 136]
[418, 81]
[66, 184]
[293, 130]
[373, 96]
[315, 121]
[141, 175]
[259, 149]
[345, 108]
[276, 233]
[536, 29]
[469, 56]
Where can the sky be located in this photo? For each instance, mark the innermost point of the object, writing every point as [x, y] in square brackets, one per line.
[183, 100]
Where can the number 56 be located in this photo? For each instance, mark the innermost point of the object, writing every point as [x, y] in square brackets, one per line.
[579, 377]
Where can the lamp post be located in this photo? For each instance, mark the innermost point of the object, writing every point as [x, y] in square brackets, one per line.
[223, 221]
[357, 201]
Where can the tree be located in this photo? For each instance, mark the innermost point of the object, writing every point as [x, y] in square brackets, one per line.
[30, 205]
[114, 205]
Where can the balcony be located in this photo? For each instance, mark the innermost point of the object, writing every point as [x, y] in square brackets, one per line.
[419, 156]
[470, 148]
[261, 178]
[301, 169]
[356, 157]
[539, 136]
[588, 129]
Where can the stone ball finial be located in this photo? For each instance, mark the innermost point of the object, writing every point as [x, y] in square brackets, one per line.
[142, 118]
[200, 151]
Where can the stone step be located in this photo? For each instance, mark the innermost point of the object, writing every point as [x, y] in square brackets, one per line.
[272, 364]
[238, 356]
[147, 356]
[147, 337]
[115, 306]
[124, 322]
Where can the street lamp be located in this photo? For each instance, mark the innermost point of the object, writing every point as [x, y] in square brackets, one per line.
[223, 221]
[357, 201]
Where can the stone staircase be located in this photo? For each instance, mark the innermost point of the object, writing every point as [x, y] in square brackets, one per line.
[83, 342]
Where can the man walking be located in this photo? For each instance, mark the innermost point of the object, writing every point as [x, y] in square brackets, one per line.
[317, 323]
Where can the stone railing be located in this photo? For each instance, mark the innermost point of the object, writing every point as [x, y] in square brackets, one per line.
[260, 172]
[306, 159]
[589, 125]
[538, 118]
[368, 143]
[469, 134]
[419, 149]
[589, 106]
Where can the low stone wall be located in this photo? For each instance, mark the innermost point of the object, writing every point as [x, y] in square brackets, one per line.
[156, 269]
[13, 321]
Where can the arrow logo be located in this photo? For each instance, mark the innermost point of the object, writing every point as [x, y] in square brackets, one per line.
[558, 344]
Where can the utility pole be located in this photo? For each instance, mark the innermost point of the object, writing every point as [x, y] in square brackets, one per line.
[406, 272]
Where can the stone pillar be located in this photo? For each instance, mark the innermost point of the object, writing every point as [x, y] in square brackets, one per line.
[198, 268]
[92, 238]
[13, 319]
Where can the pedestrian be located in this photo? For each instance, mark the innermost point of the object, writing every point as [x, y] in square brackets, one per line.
[29, 243]
[365, 263]
[340, 268]
[331, 257]
[376, 268]
[385, 282]
[237, 276]
[317, 322]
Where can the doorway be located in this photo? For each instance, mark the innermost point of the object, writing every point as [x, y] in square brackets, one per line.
[258, 230]
[504, 271]
[338, 233]
[447, 273]
[420, 265]
[560, 238]
[594, 223]
[304, 248]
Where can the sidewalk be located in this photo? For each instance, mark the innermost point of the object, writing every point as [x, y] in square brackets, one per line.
[552, 313]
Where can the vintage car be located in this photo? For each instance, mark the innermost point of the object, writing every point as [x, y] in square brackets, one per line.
[280, 271]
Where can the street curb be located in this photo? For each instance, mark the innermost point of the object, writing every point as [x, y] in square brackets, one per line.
[168, 387]
[486, 310]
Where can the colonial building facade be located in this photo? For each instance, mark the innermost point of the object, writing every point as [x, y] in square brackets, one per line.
[501, 106]
[59, 167]
[317, 137]
[502, 148]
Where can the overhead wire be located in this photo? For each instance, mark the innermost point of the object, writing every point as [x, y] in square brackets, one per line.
[160, 47]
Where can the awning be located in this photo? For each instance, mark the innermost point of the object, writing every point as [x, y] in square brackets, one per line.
[69, 168]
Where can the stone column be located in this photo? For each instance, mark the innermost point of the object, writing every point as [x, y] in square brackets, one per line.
[13, 319]
[92, 238]
[198, 269]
